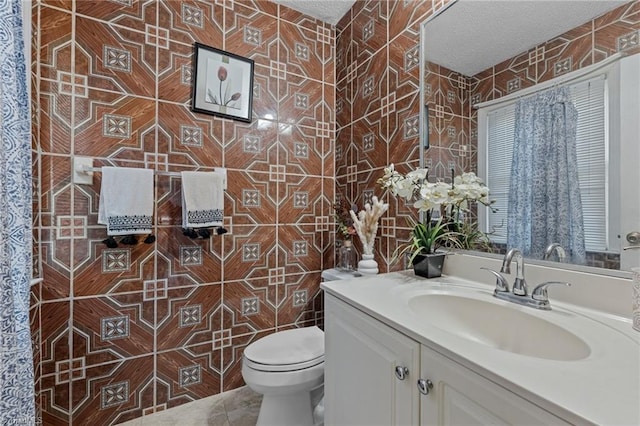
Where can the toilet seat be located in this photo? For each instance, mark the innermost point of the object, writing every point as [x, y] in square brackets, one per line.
[289, 350]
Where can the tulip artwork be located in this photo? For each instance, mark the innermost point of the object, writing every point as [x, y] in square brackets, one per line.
[223, 96]
[222, 83]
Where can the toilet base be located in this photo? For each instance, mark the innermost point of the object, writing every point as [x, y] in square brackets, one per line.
[297, 410]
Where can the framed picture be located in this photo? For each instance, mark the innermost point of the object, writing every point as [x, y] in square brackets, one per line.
[222, 83]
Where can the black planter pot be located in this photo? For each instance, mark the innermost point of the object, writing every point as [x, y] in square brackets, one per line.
[428, 265]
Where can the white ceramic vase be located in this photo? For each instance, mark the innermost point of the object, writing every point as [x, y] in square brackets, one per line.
[368, 266]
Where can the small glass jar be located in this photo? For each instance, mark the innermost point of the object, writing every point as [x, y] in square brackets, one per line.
[347, 257]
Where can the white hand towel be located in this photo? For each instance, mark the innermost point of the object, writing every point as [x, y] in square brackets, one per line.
[202, 199]
[126, 200]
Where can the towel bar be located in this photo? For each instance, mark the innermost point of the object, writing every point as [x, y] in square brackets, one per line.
[86, 170]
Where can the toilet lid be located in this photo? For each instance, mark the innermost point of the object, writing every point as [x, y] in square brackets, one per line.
[292, 349]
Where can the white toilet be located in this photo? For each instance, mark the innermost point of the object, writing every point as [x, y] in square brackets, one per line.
[287, 368]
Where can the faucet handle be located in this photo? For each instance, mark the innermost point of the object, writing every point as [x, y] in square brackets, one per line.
[501, 282]
[540, 292]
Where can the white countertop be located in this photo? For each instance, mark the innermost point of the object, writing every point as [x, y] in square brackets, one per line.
[603, 388]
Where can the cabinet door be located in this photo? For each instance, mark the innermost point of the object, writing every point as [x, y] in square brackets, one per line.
[461, 397]
[361, 356]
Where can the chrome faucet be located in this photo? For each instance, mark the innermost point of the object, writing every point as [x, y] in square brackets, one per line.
[520, 285]
[539, 298]
[558, 249]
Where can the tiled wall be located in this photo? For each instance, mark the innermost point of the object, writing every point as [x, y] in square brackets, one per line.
[128, 331]
[378, 105]
[582, 46]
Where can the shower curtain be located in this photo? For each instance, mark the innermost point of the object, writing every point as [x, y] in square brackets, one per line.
[544, 196]
[16, 359]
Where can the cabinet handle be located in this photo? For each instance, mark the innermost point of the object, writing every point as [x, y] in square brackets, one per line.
[402, 372]
[424, 386]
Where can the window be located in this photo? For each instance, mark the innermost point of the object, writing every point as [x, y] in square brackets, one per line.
[589, 97]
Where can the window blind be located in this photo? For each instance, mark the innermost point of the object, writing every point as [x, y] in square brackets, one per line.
[589, 97]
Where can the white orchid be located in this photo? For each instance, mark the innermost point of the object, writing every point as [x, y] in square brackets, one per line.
[426, 196]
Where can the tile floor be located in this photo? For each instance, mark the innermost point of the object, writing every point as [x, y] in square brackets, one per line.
[238, 407]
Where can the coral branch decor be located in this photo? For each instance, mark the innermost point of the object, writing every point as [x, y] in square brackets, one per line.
[222, 83]
[366, 225]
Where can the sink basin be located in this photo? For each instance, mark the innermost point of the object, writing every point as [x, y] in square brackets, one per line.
[499, 326]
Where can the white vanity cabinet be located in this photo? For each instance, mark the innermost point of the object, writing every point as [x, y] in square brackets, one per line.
[372, 373]
[461, 397]
[370, 370]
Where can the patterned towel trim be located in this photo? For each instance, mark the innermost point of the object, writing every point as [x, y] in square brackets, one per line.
[130, 223]
[205, 216]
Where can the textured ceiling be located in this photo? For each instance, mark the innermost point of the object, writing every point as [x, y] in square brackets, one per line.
[330, 11]
[473, 35]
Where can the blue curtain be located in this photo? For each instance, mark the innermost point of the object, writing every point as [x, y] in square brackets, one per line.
[544, 195]
[16, 358]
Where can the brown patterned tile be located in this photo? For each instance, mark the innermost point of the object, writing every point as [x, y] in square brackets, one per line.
[108, 329]
[250, 146]
[265, 94]
[404, 64]
[187, 262]
[343, 151]
[301, 247]
[250, 253]
[301, 102]
[54, 117]
[55, 198]
[115, 58]
[403, 14]
[617, 36]
[54, 401]
[54, 335]
[301, 151]
[135, 14]
[175, 73]
[369, 31]
[191, 139]
[56, 284]
[369, 138]
[343, 105]
[187, 374]
[259, 5]
[371, 85]
[113, 270]
[627, 12]
[344, 53]
[296, 299]
[252, 303]
[190, 21]
[232, 359]
[123, 124]
[112, 393]
[301, 51]
[252, 198]
[565, 56]
[294, 17]
[55, 44]
[62, 4]
[251, 34]
[300, 199]
[188, 316]
[328, 55]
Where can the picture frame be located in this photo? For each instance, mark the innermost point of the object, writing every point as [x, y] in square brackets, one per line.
[222, 83]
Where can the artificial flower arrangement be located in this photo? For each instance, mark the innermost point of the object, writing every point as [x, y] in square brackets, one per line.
[450, 200]
[344, 222]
